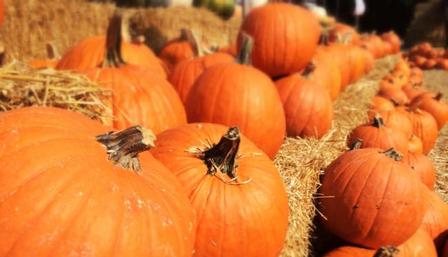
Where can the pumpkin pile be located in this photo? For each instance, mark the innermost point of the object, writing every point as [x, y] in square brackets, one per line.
[380, 193]
[425, 56]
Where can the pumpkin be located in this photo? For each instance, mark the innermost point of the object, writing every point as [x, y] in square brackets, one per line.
[419, 245]
[412, 91]
[423, 167]
[140, 96]
[90, 53]
[376, 134]
[424, 126]
[86, 193]
[429, 64]
[2, 12]
[285, 37]
[236, 94]
[415, 144]
[184, 47]
[394, 94]
[433, 105]
[393, 40]
[381, 104]
[186, 72]
[435, 221]
[442, 64]
[395, 120]
[328, 71]
[344, 32]
[308, 106]
[357, 60]
[339, 54]
[371, 198]
[245, 202]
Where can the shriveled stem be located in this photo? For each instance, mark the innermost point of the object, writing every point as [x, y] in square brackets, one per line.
[378, 121]
[357, 144]
[394, 154]
[244, 56]
[386, 251]
[124, 146]
[113, 57]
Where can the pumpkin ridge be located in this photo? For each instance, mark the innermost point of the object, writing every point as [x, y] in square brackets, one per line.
[50, 202]
[346, 166]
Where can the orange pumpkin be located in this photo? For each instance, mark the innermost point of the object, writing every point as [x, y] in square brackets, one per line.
[229, 201]
[434, 105]
[343, 32]
[393, 40]
[308, 106]
[285, 37]
[412, 91]
[423, 167]
[79, 195]
[236, 94]
[395, 120]
[327, 68]
[179, 49]
[415, 145]
[381, 104]
[367, 190]
[435, 221]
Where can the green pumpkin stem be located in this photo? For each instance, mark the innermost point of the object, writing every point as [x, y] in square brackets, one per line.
[378, 121]
[124, 146]
[244, 56]
[221, 157]
[394, 154]
[113, 57]
[387, 251]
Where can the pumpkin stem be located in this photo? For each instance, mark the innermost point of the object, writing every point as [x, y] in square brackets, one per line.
[113, 56]
[357, 144]
[394, 154]
[386, 251]
[438, 97]
[244, 56]
[52, 51]
[221, 157]
[378, 121]
[124, 146]
[308, 69]
[192, 39]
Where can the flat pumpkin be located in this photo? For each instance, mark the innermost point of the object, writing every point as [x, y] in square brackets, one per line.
[77, 196]
[365, 191]
[235, 188]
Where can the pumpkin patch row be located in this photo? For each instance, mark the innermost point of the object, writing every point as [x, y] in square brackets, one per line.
[380, 193]
[425, 56]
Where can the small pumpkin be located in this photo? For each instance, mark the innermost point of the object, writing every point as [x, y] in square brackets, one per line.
[229, 201]
[341, 31]
[285, 37]
[87, 191]
[381, 104]
[373, 198]
[393, 39]
[395, 120]
[377, 135]
[434, 105]
[308, 106]
[236, 94]
[184, 47]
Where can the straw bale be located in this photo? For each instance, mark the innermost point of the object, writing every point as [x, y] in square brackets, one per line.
[21, 86]
[301, 161]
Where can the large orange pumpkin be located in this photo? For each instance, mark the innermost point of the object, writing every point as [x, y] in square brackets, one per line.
[371, 198]
[185, 73]
[140, 96]
[90, 53]
[419, 245]
[285, 37]
[64, 193]
[235, 188]
[376, 134]
[236, 94]
[308, 106]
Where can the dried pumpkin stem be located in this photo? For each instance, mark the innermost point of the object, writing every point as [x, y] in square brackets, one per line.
[438, 96]
[244, 56]
[192, 39]
[387, 251]
[378, 121]
[357, 144]
[113, 57]
[309, 69]
[124, 146]
[394, 154]
[221, 157]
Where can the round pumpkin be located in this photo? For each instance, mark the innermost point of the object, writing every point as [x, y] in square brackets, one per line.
[186, 72]
[412, 91]
[433, 105]
[395, 120]
[371, 198]
[234, 187]
[328, 71]
[181, 48]
[65, 193]
[423, 167]
[419, 245]
[308, 106]
[380, 104]
[392, 39]
[236, 94]
[435, 220]
[343, 32]
[285, 37]
[375, 134]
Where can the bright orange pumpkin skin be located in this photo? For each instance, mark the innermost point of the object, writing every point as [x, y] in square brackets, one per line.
[423, 167]
[435, 221]
[415, 144]
[395, 120]
[186, 72]
[175, 52]
[140, 97]
[436, 107]
[369, 191]
[308, 106]
[68, 199]
[2, 12]
[239, 95]
[419, 245]
[231, 218]
[285, 37]
[380, 104]
[327, 69]
[90, 52]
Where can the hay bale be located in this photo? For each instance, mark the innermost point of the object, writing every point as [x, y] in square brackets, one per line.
[301, 161]
[20, 87]
[30, 24]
